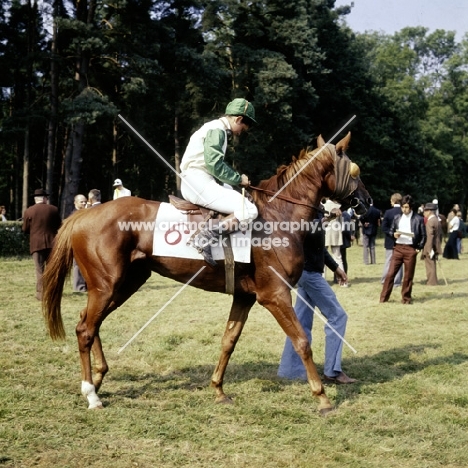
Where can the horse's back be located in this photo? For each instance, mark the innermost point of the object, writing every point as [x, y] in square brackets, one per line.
[118, 225]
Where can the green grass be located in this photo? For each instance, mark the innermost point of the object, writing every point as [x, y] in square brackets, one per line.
[409, 408]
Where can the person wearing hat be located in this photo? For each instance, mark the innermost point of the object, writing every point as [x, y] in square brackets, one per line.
[120, 190]
[432, 248]
[207, 180]
[41, 221]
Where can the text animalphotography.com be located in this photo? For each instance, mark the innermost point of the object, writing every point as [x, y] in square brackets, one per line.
[174, 231]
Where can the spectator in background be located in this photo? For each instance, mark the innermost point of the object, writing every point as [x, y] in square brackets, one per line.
[370, 223]
[432, 248]
[348, 230]
[41, 221]
[451, 247]
[94, 198]
[389, 241]
[443, 221]
[3, 213]
[410, 237]
[461, 232]
[333, 232]
[79, 283]
[120, 190]
[453, 212]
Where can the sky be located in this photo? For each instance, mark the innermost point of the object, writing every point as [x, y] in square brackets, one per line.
[389, 16]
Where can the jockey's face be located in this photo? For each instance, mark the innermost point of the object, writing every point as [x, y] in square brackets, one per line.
[238, 126]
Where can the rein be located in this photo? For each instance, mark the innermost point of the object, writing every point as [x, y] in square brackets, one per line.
[294, 201]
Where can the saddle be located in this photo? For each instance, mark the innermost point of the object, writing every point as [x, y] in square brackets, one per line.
[193, 211]
[199, 215]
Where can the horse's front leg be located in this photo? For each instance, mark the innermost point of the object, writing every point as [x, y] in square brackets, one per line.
[280, 305]
[238, 316]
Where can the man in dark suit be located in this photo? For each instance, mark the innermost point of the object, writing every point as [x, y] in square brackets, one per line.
[41, 221]
[370, 223]
[389, 241]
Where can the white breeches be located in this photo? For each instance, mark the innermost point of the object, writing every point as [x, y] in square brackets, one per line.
[202, 189]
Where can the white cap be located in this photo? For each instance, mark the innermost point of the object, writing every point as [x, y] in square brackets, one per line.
[117, 182]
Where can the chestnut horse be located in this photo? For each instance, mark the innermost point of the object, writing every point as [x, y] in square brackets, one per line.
[116, 263]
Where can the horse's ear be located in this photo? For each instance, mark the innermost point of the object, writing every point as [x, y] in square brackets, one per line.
[320, 141]
[343, 144]
[303, 153]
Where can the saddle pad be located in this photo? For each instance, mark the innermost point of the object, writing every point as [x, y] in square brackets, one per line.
[173, 230]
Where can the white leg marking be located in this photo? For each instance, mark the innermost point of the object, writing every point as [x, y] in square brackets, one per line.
[88, 390]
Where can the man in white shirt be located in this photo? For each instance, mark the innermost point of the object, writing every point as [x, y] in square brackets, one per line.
[410, 236]
[389, 241]
[120, 190]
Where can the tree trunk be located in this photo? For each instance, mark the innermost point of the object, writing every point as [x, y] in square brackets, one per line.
[114, 149]
[177, 157]
[73, 165]
[52, 128]
[25, 171]
[73, 168]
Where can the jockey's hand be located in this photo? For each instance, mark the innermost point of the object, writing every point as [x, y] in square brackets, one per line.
[245, 182]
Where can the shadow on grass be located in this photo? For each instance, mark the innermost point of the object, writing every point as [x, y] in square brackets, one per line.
[385, 366]
[366, 280]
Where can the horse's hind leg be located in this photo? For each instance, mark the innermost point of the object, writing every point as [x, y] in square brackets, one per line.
[87, 333]
[238, 316]
[100, 366]
[87, 329]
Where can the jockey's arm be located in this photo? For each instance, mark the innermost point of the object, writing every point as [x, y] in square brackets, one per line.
[214, 158]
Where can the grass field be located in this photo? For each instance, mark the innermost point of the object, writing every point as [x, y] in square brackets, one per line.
[409, 408]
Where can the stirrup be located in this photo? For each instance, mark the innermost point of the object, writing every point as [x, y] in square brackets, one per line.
[204, 248]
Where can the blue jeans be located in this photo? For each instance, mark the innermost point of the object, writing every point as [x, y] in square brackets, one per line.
[318, 293]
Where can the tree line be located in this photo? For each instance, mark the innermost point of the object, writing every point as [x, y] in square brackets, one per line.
[68, 69]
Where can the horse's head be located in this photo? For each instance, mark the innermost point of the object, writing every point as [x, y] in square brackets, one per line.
[348, 188]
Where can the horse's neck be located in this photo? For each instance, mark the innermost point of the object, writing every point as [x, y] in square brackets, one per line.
[282, 203]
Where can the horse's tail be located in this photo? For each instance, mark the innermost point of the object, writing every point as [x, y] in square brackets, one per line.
[57, 270]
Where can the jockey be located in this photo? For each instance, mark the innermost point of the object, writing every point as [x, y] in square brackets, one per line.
[207, 180]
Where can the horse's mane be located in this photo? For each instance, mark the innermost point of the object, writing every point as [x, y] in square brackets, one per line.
[317, 160]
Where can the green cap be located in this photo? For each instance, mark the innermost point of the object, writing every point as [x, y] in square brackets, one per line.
[240, 106]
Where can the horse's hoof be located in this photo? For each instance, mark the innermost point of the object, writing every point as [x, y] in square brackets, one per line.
[326, 411]
[224, 400]
[98, 405]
